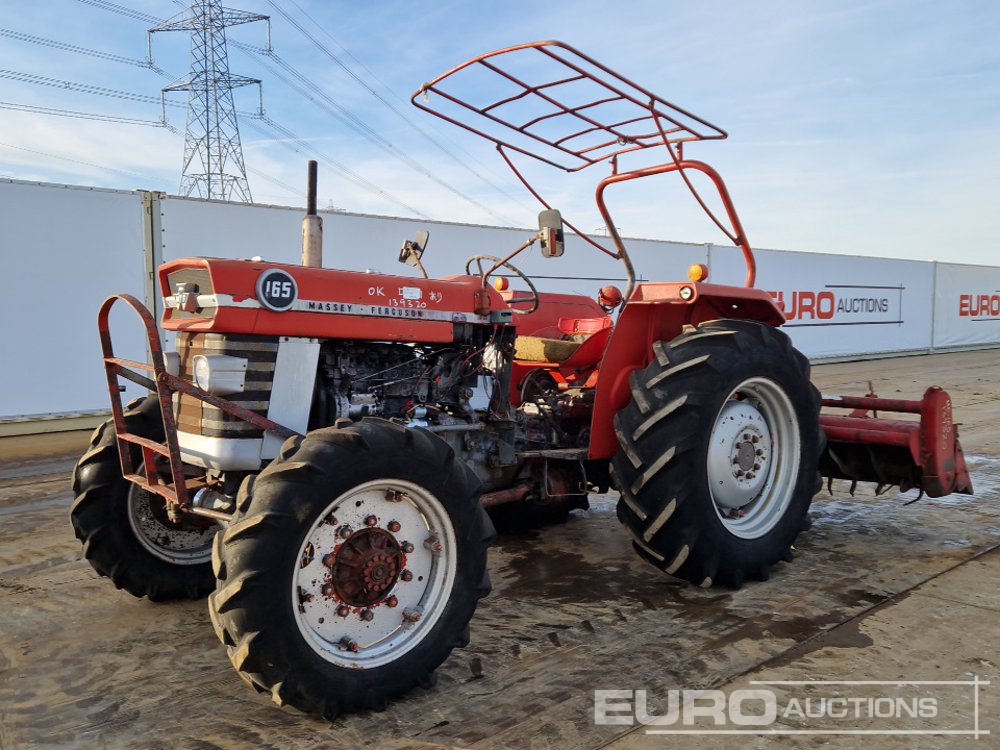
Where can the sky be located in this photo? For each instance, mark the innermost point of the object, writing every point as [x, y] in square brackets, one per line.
[860, 127]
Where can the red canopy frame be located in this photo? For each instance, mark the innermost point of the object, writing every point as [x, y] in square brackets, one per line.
[551, 122]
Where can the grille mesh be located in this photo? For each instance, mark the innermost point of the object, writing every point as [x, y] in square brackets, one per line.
[197, 417]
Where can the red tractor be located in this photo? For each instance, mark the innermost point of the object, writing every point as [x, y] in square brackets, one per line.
[324, 449]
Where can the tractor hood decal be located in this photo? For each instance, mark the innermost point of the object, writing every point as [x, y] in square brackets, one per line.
[339, 308]
[387, 311]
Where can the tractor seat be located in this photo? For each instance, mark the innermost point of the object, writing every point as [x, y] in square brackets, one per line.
[583, 343]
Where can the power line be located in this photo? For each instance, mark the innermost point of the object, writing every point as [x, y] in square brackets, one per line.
[136, 15]
[448, 150]
[288, 138]
[301, 145]
[360, 126]
[85, 88]
[75, 161]
[275, 181]
[22, 37]
[84, 115]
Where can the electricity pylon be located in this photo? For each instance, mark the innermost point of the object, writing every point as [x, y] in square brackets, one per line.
[213, 155]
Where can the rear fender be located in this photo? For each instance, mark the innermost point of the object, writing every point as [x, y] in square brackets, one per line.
[659, 312]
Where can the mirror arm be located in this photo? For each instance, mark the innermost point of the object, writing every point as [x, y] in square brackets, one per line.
[420, 264]
[524, 246]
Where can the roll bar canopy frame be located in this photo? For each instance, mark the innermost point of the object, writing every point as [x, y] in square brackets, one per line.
[549, 121]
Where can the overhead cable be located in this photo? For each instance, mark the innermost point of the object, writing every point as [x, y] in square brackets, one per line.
[447, 149]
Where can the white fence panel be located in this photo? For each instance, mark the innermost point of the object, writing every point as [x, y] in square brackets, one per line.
[71, 247]
[65, 250]
[966, 305]
[841, 305]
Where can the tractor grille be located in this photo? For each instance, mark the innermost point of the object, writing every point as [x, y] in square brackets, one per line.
[197, 417]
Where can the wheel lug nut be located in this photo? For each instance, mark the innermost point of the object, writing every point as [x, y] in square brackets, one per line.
[406, 547]
[750, 475]
[348, 645]
[391, 601]
[329, 560]
[331, 520]
[756, 467]
[736, 462]
[411, 616]
[367, 615]
[746, 435]
[755, 439]
[433, 544]
[326, 589]
[739, 446]
[406, 575]
[394, 526]
[343, 610]
[759, 452]
[371, 521]
[345, 531]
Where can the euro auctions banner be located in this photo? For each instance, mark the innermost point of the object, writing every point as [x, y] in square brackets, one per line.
[841, 305]
[966, 305]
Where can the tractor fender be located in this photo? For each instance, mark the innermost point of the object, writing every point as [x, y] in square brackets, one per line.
[659, 312]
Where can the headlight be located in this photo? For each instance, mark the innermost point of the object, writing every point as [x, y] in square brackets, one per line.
[219, 373]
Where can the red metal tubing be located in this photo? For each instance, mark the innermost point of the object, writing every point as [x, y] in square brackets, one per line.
[867, 423]
[705, 169]
[112, 365]
[858, 435]
[873, 403]
[174, 383]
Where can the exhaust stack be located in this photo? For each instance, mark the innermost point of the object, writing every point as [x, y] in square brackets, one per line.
[312, 226]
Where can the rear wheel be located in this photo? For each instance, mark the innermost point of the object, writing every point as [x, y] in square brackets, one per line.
[719, 452]
[352, 568]
[125, 531]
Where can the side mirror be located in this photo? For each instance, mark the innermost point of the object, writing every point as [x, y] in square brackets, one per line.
[550, 230]
[413, 250]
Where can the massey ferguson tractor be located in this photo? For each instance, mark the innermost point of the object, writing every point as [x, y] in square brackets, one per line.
[323, 452]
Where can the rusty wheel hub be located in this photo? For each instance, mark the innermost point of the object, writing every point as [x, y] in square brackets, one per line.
[375, 572]
[366, 567]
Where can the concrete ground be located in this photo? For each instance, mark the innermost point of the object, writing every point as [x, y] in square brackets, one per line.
[880, 590]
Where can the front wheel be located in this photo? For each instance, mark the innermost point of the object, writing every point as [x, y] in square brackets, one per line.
[352, 568]
[125, 530]
[719, 452]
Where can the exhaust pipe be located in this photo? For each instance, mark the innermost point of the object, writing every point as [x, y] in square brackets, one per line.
[312, 226]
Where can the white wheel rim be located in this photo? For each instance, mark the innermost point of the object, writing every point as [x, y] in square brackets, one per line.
[374, 627]
[178, 544]
[753, 458]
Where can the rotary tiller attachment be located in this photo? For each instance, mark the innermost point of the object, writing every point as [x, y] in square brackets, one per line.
[924, 454]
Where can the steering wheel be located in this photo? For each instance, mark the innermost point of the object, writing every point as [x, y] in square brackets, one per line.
[534, 299]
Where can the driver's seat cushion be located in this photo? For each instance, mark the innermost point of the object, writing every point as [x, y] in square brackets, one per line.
[538, 349]
[543, 349]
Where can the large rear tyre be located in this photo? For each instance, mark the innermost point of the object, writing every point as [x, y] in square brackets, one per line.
[719, 452]
[352, 567]
[125, 531]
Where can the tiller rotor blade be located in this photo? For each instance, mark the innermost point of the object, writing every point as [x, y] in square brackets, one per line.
[924, 454]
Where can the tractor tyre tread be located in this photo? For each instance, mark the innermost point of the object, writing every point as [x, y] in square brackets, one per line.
[262, 639]
[99, 517]
[660, 469]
